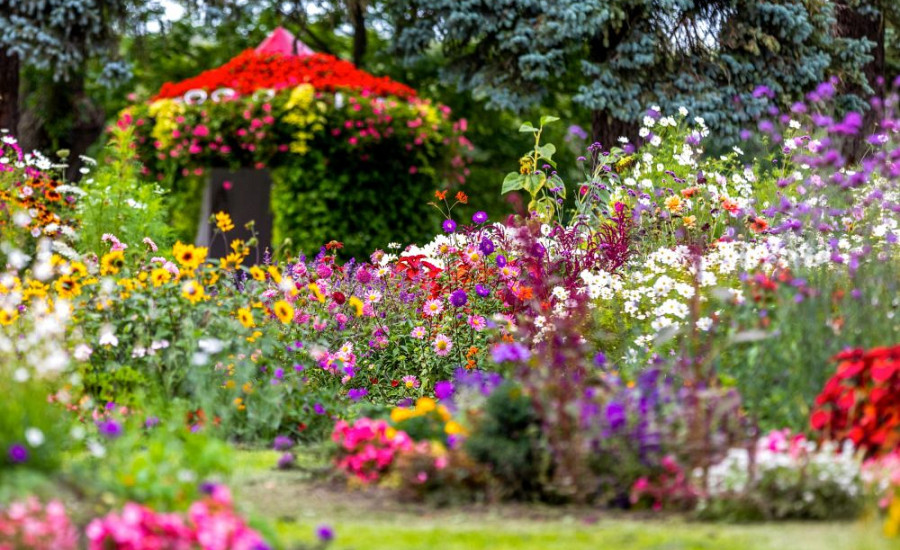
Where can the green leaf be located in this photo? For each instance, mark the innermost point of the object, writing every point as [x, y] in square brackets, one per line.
[557, 182]
[527, 127]
[534, 182]
[512, 182]
[545, 208]
[546, 151]
[547, 119]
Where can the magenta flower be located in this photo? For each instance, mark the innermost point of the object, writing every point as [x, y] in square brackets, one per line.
[480, 217]
[449, 226]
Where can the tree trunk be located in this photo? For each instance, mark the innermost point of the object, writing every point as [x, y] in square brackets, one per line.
[9, 91]
[607, 129]
[87, 124]
[357, 9]
[853, 24]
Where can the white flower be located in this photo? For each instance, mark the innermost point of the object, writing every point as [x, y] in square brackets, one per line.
[211, 345]
[108, 337]
[682, 111]
[704, 323]
[655, 141]
[34, 437]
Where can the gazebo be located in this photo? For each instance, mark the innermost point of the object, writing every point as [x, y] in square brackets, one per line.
[305, 144]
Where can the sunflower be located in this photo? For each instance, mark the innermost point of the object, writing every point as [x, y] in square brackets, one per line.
[245, 316]
[257, 273]
[67, 287]
[283, 311]
[189, 256]
[77, 269]
[8, 316]
[192, 291]
[275, 274]
[230, 261]
[112, 262]
[223, 222]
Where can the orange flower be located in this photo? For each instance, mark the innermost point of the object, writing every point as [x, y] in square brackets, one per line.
[440, 195]
[461, 197]
[689, 192]
[758, 224]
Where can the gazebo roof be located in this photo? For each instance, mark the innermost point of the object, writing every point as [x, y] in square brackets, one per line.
[282, 61]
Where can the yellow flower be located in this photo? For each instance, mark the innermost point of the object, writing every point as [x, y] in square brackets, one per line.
[673, 203]
[189, 256]
[239, 403]
[8, 316]
[315, 288]
[356, 303]
[160, 276]
[239, 247]
[34, 289]
[257, 273]
[192, 291]
[245, 316]
[689, 221]
[223, 222]
[443, 413]
[77, 269]
[275, 274]
[454, 428]
[256, 334]
[112, 262]
[425, 405]
[67, 287]
[283, 311]
[400, 414]
[233, 259]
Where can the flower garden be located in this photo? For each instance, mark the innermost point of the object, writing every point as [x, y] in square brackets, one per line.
[673, 343]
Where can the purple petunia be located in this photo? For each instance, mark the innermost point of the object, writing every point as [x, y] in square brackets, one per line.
[443, 390]
[486, 246]
[17, 453]
[357, 393]
[514, 352]
[458, 298]
[282, 443]
[324, 533]
[110, 429]
[449, 226]
[480, 216]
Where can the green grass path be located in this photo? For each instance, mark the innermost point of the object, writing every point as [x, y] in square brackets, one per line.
[367, 519]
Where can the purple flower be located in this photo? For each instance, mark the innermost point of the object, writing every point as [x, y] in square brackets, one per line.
[514, 352]
[110, 429]
[746, 134]
[285, 461]
[480, 216]
[482, 290]
[600, 359]
[449, 226]
[458, 298]
[443, 390]
[357, 393]
[208, 487]
[616, 415]
[151, 422]
[318, 408]
[501, 260]
[324, 533]
[486, 246]
[576, 131]
[17, 453]
[282, 443]
[279, 373]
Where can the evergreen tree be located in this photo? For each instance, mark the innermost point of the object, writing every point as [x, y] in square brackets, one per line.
[619, 56]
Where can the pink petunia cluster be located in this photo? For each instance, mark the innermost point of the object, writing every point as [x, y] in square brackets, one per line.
[211, 524]
[368, 447]
[30, 524]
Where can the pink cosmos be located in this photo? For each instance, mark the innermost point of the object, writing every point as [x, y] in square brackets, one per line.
[410, 381]
[418, 333]
[433, 307]
[477, 322]
[442, 345]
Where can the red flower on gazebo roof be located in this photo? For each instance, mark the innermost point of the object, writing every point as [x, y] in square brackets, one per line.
[273, 65]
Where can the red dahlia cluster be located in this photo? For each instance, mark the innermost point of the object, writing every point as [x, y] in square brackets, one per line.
[251, 71]
[861, 402]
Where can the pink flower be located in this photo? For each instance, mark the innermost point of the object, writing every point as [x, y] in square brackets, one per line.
[201, 131]
[433, 307]
[442, 345]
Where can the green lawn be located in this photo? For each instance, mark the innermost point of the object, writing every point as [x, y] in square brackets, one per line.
[365, 519]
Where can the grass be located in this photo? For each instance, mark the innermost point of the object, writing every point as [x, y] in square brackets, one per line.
[372, 519]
